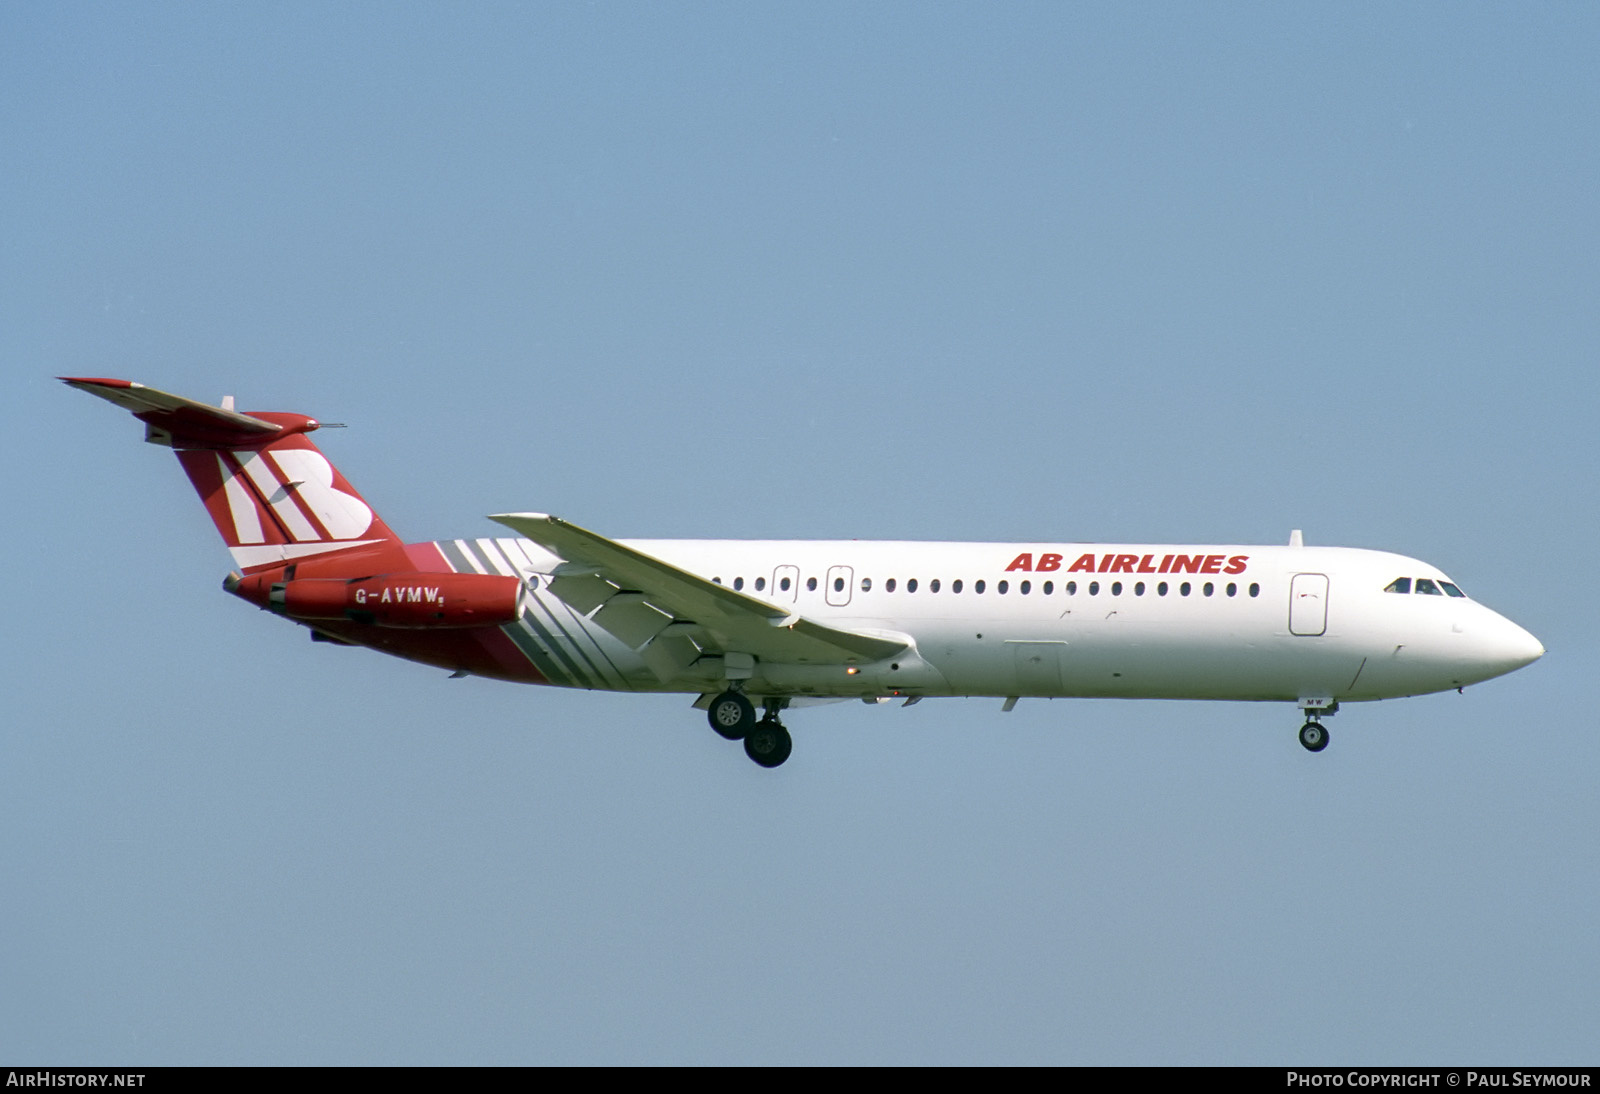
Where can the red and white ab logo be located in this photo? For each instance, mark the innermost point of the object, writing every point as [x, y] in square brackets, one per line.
[300, 493]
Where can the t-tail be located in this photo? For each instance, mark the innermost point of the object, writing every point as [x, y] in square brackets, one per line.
[273, 496]
[310, 548]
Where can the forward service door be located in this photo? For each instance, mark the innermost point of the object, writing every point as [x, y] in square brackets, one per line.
[1308, 605]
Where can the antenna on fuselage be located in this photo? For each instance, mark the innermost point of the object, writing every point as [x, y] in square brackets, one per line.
[1295, 540]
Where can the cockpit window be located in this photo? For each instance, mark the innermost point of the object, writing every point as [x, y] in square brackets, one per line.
[1451, 590]
[1399, 585]
[1426, 586]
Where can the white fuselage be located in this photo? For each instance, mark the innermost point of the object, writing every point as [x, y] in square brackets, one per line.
[1135, 621]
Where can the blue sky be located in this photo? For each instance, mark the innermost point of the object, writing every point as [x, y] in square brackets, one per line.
[925, 271]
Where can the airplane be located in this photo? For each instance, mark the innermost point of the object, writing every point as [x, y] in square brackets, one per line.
[778, 623]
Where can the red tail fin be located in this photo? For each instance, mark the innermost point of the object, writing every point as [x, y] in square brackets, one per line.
[274, 497]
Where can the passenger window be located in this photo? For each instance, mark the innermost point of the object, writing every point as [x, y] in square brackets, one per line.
[1004, 587]
[738, 584]
[1025, 588]
[1138, 590]
[811, 584]
[1451, 590]
[866, 584]
[1399, 585]
[1161, 589]
[784, 584]
[716, 581]
[1072, 588]
[1184, 588]
[955, 586]
[1255, 590]
[1049, 587]
[933, 586]
[1427, 587]
[1094, 588]
[838, 584]
[977, 586]
[1233, 590]
[1209, 589]
[911, 585]
[888, 586]
[1116, 588]
[761, 583]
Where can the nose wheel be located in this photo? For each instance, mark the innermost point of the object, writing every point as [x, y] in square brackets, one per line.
[1314, 736]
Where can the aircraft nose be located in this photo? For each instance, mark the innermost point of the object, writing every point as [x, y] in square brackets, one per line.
[1508, 647]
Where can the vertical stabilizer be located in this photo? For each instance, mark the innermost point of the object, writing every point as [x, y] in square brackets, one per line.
[273, 496]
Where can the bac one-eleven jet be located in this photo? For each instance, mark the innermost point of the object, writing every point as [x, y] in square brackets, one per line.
[742, 624]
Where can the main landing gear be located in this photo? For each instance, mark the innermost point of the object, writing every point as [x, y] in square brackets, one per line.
[765, 741]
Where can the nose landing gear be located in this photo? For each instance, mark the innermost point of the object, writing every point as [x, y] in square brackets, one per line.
[1314, 735]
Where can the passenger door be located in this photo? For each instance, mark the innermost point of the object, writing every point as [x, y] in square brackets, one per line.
[1308, 605]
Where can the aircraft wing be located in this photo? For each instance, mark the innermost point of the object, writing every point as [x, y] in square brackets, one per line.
[642, 599]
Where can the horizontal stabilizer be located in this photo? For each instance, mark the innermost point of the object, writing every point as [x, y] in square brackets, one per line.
[176, 421]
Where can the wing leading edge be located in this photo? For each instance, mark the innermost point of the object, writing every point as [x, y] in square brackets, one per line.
[653, 605]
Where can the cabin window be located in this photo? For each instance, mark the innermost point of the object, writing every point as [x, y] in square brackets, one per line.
[1116, 588]
[716, 581]
[1049, 587]
[1451, 590]
[1161, 589]
[1025, 588]
[738, 584]
[1427, 587]
[866, 584]
[933, 586]
[1138, 590]
[1399, 585]
[1255, 590]
[977, 586]
[1209, 588]
[761, 583]
[1184, 589]
[888, 586]
[811, 584]
[1094, 588]
[838, 584]
[1233, 590]
[955, 586]
[1072, 588]
[784, 584]
[1004, 587]
[911, 584]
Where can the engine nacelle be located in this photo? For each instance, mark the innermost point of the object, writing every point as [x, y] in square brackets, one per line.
[410, 600]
